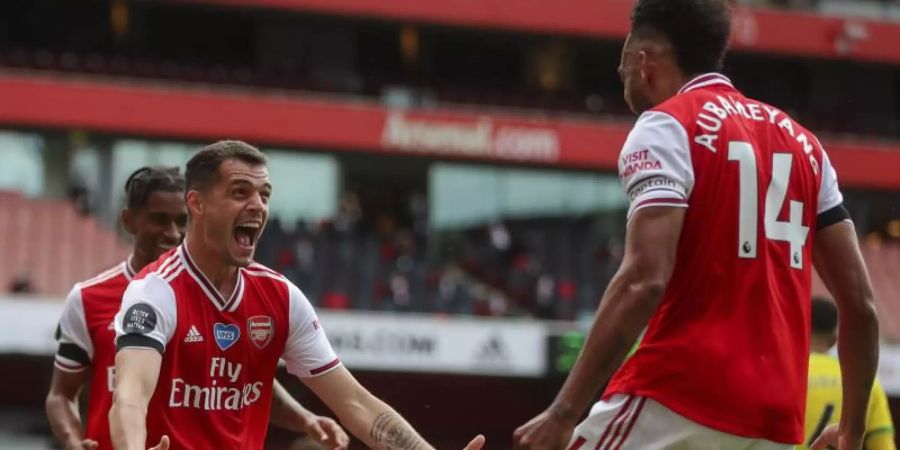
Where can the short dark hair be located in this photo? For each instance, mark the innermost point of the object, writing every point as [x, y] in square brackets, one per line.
[824, 316]
[203, 168]
[148, 180]
[698, 30]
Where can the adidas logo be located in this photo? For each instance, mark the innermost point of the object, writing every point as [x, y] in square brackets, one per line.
[193, 335]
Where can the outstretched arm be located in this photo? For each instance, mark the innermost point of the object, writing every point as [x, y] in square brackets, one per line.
[366, 417]
[627, 305]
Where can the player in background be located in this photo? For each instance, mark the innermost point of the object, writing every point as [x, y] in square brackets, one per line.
[823, 399]
[249, 315]
[155, 215]
[732, 203]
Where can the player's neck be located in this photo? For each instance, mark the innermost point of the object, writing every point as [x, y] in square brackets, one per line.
[138, 260]
[222, 276]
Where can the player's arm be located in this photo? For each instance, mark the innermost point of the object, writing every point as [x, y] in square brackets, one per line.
[657, 174]
[309, 357]
[365, 416]
[69, 374]
[137, 370]
[144, 325]
[625, 309]
[289, 414]
[839, 262]
[630, 300]
[62, 408]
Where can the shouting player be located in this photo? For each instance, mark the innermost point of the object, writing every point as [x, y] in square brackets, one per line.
[732, 203]
[215, 392]
[823, 399]
[155, 215]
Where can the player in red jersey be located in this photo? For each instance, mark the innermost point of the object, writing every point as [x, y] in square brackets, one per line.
[201, 330]
[155, 215]
[732, 203]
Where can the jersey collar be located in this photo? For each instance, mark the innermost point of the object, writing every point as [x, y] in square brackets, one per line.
[707, 79]
[207, 287]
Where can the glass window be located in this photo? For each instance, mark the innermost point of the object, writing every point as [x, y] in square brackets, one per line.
[304, 186]
[21, 163]
[463, 195]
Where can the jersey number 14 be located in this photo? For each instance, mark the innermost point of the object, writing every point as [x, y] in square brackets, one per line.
[793, 231]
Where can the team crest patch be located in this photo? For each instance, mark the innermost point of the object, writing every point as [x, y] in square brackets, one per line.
[261, 330]
[226, 335]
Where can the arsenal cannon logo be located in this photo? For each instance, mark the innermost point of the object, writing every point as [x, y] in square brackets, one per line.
[261, 330]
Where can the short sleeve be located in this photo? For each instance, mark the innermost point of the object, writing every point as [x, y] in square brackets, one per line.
[148, 315]
[76, 350]
[829, 193]
[655, 163]
[308, 352]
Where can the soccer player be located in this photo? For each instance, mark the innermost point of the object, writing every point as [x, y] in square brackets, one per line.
[732, 203]
[823, 399]
[155, 214]
[215, 393]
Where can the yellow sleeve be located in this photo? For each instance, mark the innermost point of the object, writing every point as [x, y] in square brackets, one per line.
[879, 427]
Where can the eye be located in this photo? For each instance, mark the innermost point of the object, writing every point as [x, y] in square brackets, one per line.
[158, 219]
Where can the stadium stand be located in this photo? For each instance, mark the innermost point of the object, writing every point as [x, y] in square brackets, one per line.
[49, 244]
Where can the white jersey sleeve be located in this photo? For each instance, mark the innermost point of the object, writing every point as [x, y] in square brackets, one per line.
[307, 352]
[76, 349]
[655, 163]
[148, 315]
[829, 193]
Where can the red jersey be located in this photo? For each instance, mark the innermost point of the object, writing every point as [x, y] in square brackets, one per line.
[219, 355]
[728, 346]
[87, 339]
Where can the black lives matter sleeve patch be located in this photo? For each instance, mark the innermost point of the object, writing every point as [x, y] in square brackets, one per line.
[139, 319]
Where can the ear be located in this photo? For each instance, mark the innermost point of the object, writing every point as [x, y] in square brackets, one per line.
[128, 221]
[194, 200]
[643, 62]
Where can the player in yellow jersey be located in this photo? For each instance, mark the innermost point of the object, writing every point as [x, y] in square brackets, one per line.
[823, 401]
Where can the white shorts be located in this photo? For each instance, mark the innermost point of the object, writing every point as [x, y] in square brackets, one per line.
[626, 422]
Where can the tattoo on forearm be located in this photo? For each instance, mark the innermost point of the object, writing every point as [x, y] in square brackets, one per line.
[390, 430]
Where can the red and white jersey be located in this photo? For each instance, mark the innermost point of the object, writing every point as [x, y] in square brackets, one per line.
[219, 355]
[87, 339]
[728, 346]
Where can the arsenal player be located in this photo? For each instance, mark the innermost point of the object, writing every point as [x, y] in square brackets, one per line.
[215, 393]
[732, 204]
[155, 215]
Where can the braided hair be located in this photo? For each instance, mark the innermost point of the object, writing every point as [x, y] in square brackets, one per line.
[148, 180]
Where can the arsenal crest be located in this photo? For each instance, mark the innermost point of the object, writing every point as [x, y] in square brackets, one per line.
[261, 330]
